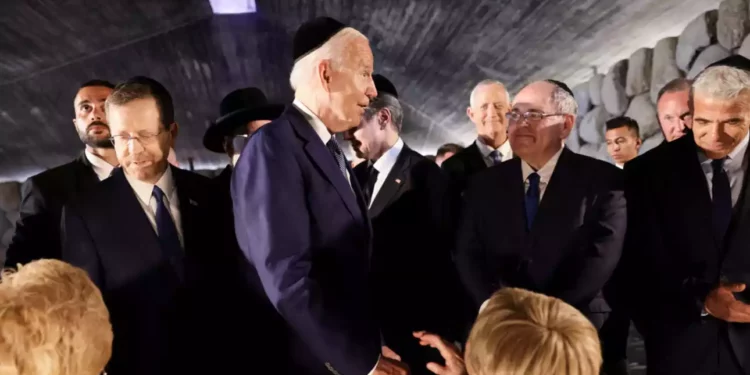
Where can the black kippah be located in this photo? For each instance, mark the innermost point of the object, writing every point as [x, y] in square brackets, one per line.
[313, 34]
[383, 85]
[561, 85]
[735, 61]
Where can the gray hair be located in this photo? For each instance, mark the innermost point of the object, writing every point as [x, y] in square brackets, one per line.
[564, 102]
[382, 101]
[486, 82]
[721, 82]
[334, 50]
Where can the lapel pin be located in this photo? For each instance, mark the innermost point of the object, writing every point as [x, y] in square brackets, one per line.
[398, 181]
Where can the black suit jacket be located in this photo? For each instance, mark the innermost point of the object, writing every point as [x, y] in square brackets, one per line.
[162, 323]
[574, 243]
[672, 260]
[461, 166]
[411, 262]
[37, 233]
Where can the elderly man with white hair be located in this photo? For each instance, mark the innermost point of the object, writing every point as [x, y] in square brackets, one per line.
[550, 221]
[300, 216]
[488, 104]
[687, 255]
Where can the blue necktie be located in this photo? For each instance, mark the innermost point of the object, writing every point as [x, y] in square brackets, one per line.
[496, 157]
[722, 200]
[169, 239]
[338, 155]
[532, 199]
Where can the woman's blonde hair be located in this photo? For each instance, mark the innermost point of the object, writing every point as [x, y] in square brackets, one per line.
[53, 321]
[524, 333]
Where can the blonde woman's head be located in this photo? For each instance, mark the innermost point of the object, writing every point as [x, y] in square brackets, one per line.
[524, 333]
[53, 321]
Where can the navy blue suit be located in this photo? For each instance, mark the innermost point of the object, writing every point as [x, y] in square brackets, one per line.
[305, 230]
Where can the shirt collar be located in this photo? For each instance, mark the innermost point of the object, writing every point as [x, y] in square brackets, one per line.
[545, 173]
[734, 159]
[486, 150]
[144, 190]
[388, 160]
[320, 128]
[99, 165]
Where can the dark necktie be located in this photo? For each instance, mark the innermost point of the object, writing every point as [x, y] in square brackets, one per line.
[338, 155]
[169, 238]
[532, 199]
[496, 157]
[722, 199]
[368, 187]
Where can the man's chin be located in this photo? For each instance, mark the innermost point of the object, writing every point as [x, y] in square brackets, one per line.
[98, 142]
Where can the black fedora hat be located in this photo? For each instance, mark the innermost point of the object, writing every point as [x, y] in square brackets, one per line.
[237, 109]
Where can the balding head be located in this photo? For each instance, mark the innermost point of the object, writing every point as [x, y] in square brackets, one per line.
[335, 80]
[488, 104]
[542, 116]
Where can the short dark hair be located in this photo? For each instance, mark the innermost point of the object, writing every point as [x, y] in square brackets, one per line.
[675, 85]
[625, 121]
[141, 87]
[98, 83]
[448, 147]
[384, 100]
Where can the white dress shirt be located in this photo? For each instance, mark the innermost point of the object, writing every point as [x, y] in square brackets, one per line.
[320, 128]
[545, 173]
[505, 152]
[618, 165]
[99, 165]
[384, 166]
[735, 166]
[144, 192]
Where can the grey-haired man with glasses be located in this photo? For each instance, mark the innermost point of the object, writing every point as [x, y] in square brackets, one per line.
[550, 220]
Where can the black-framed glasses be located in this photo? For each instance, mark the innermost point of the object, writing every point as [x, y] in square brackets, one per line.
[143, 137]
[531, 117]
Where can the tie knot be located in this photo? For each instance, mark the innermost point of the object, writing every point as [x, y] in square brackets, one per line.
[533, 178]
[718, 165]
[158, 193]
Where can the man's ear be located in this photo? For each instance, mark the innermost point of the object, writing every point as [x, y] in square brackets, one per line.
[470, 113]
[324, 74]
[174, 129]
[384, 117]
[568, 125]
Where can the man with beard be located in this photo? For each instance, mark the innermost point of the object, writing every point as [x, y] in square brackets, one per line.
[42, 196]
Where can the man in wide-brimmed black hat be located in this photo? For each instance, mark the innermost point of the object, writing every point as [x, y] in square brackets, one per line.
[242, 112]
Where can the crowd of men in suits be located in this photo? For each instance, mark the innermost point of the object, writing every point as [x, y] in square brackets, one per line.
[292, 261]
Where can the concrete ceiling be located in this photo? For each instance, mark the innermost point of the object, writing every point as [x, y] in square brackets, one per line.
[433, 50]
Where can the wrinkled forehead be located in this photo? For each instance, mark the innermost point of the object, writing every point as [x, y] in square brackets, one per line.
[534, 97]
[359, 54]
[491, 93]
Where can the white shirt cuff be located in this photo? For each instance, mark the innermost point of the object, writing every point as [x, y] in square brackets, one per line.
[376, 366]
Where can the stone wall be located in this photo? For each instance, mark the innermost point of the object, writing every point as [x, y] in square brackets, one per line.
[630, 87]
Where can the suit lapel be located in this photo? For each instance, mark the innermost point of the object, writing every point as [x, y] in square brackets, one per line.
[189, 209]
[86, 175]
[394, 182]
[739, 235]
[323, 159]
[127, 206]
[476, 160]
[515, 200]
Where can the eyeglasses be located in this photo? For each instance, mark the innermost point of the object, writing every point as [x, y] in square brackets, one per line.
[531, 118]
[144, 138]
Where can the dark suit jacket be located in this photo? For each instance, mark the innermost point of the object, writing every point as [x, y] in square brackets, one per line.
[411, 260]
[461, 166]
[163, 323]
[37, 233]
[308, 236]
[574, 243]
[673, 261]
